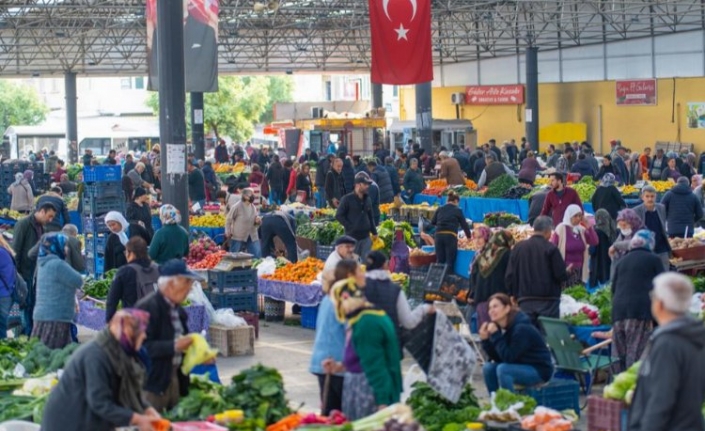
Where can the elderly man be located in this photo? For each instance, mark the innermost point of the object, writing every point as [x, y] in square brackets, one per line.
[167, 338]
[669, 391]
[133, 180]
[344, 249]
[654, 217]
[450, 170]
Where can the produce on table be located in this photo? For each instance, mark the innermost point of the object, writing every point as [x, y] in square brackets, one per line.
[629, 190]
[10, 214]
[662, 186]
[200, 249]
[98, 289]
[324, 213]
[386, 232]
[210, 261]
[401, 279]
[585, 190]
[322, 233]
[304, 272]
[437, 184]
[386, 208]
[623, 385]
[520, 233]
[501, 219]
[435, 412]
[585, 317]
[469, 244]
[698, 284]
[433, 191]
[542, 181]
[13, 407]
[41, 360]
[209, 220]
[419, 252]
[470, 184]
[500, 186]
[279, 261]
[336, 418]
[601, 298]
[504, 399]
[683, 243]
[545, 419]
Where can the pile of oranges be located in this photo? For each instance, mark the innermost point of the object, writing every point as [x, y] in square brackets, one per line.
[303, 272]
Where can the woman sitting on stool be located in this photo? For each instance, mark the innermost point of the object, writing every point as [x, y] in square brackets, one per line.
[516, 348]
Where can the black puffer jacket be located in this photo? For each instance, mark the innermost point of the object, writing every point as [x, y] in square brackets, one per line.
[386, 192]
[682, 210]
[348, 173]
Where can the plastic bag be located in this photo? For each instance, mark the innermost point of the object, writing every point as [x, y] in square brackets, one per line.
[226, 317]
[377, 244]
[197, 296]
[495, 414]
[569, 306]
[197, 353]
[267, 267]
[415, 374]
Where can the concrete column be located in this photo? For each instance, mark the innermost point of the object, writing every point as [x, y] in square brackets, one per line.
[172, 112]
[424, 125]
[71, 115]
[377, 96]
[531, 115]
[197, 128]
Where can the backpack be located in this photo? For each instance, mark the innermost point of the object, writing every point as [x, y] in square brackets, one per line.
[146, 279]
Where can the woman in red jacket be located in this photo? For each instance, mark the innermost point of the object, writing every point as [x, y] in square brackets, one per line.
[257, 177]
[291, 185]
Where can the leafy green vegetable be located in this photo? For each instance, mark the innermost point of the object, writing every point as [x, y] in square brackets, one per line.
[434, 412]
[500, 186]
[577, 292]
[386, 231]
[505, 399]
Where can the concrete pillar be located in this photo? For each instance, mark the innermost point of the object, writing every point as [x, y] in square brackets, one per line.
[71, 115]
[172, 112]
[197, 128]
[377, 96]
[424, 125]
[531, 114]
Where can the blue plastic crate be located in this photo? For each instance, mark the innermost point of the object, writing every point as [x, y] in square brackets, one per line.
[240, 279]
[308, 317]
[104, 190]
[95, 265]
[101, 206]
[96, 244]
[102, 173]
[558, 394]
[95, 225]
[235, 300]
[323, 251]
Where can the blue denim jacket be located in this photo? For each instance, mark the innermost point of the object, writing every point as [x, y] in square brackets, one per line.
[330, 337]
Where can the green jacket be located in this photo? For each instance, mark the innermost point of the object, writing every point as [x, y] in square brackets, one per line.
[26, 234]
[169, 242]
[376, 345]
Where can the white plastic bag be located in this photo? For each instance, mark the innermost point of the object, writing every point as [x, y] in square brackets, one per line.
[198, 297]
[267, 267]
[569, 306]
[226, 317]
[415, 374]
[497, 415]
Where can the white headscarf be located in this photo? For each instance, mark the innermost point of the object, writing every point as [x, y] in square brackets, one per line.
[117, 217]
[18, 178]
[570, 212]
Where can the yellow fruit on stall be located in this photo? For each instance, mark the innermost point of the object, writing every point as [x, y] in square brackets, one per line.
[208, 220]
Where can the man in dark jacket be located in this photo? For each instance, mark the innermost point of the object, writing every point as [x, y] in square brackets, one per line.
[413, 181]
[62, 217]
[221, 153]
[138, 211]
[335, 185]
[393, 175]
[283, 226]
[583, 167]
[129, 164]
[670, 389]
[536, 204]
[348, 172]
[620, 167]
[275, 176]
[654, 217]
[355, 214]
[373, 193]
[196, 184]
[321, 171]
[167, 335]
[683, 209]
[27, 232]
[535, 273]
[380, 152]
[125, 288]
[380, 176]
[462, 158]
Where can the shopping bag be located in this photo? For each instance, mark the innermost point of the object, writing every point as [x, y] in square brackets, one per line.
[415, 374]
[197, 353]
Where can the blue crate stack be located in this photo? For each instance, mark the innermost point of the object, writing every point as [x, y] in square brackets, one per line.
[235, 289]
[102, 194]
[7, 176]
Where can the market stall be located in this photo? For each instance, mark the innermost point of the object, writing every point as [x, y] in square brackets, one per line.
[357, 134]
[92, 316]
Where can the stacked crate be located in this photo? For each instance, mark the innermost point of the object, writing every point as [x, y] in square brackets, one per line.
[102, 194]
[7, 177]
[236, 290]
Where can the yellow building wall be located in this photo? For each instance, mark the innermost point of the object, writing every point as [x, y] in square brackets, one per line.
[636, 126]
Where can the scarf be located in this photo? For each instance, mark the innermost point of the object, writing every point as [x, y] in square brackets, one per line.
[608, 180]
[53, 243]
[605, 224]
[500, 243]
[643, 239]
[18, 179]
[168, 214]
[570, 212]
[117, 217]
[129, 370]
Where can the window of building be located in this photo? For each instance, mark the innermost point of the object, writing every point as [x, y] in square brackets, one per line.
[125, 83]
[395, 91]
[329, 91]
[139, 83]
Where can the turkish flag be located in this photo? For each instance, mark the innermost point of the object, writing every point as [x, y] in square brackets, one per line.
[401, 41]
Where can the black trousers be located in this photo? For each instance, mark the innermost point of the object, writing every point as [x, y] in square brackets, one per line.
[446, 249]
[276, 226]
[334, 397]
[535, 308]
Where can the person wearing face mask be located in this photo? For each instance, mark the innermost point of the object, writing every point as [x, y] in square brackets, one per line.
[631, 307]
[242, 223]
[628, 223]
[102, 383]
[574, 237]
[57, 283]
[120, 232]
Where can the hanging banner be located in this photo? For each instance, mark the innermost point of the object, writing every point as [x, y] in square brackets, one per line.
[636, 92]
[200, 45]
[696, 115]
[494, 95]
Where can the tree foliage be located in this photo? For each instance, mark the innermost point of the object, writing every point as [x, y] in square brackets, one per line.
[20, 105]
[240, 103]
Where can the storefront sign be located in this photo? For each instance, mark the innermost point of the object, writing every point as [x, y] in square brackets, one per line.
[494, 95]
[636, 92]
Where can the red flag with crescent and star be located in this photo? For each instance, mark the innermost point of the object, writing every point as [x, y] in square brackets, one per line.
[401, 41]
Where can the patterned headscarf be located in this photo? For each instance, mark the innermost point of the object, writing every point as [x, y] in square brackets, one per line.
[500, 243]
[605, 224]
[18, 178]
[28, 175]
[168, 214]
[53, 243]
[138, 320]
[629, 216]
[608, 180]
[643, 239]
[483, 232]
[347, 299]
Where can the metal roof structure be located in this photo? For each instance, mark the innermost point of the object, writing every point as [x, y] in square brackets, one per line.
[108, 37]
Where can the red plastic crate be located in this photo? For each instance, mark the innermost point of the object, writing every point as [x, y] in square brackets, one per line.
[606, 415]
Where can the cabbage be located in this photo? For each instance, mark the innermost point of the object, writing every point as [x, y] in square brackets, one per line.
[629, 396]
[614, 392]
[625, 380]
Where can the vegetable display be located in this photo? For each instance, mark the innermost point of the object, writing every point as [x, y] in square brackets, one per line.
[386, 231]
[41, 360]
[322, 233]
[601, 299]
[500, 186]
[304, 272]
[504, 399]
[501, 219]
[99, 289]
[623, 385]
[435, 412]
[585, 190]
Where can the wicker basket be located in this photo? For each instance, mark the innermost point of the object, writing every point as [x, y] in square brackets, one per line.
[424, 260]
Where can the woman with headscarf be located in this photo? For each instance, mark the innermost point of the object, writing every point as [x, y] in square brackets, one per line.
[120, 232]
[607, 196]
[22, 195]
[631, 306]
[171, 241]
[56, 286]
[573, 238]
[687, 168]
[29, 176]
[372, 359]
[102, 383]
[628, 223]
[600, 262]
[487, 272]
